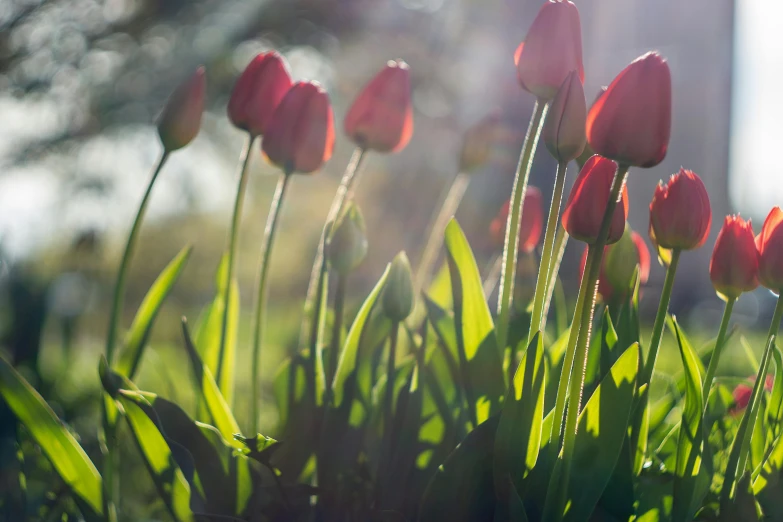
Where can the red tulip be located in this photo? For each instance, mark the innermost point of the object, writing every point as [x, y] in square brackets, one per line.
[258, 91]
[564, 129]
[619, 265]
[587, 201]
[680, 212]
[381, 117]
[551, 50]
[734, 265]
[180, 120]
[530, 227]
[770, 247]
[742, 393]
[300, 135]
[631, 122]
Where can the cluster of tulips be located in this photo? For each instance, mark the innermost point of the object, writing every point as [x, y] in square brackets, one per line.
[497, 380]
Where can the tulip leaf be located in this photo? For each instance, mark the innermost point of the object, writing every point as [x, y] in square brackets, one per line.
[513, 510]
[775, 405]
[168, 477]
[462, 489]
[350, 356]
[691, 482]
[599, 439]
[518, 436]
[138, 336]
[208, 332]
[67, 457]
[221, 415]
[480, 360]
[768, 485]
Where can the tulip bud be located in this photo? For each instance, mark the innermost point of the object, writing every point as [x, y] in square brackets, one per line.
[742, 393]
[478, 143]
[347, 245]
[530, 227]
[397, 298]
[619, 263]
[631, 122]
[564, 129]
[588, 151]
[587, 202]
[300, 135]
[381, 116]
[770, 247]
[258, 91]
[735, 263]
[180, 120]
[551, 50]
[680, 212]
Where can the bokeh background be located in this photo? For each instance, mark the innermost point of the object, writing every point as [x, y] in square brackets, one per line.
[81, 82]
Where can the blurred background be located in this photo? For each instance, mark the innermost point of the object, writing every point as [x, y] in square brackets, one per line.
[81, 82]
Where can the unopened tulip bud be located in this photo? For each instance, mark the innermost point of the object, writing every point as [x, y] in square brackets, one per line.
[564, 129]
[478, 143]
[631, 122]
[397, 298]
[680, 214]
[180, 120]
[258, 91]
[551, 50]
[381, 116]
[734, 265]
[300, 135]
[530, 227]
[621, 260]
[347, 245]
[587, 202]
[770, 247]
[618, 266]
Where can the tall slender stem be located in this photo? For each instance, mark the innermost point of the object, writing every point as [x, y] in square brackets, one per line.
[719, 342]
[561, 240]
[511, 245]
[568, 363]
[546, 253]
[266, 251]
[337, 326]
[342, 195]
[660, 318]
[130, 248]
[592, 271]
[233, 235]
[108, 411]
[435, 241]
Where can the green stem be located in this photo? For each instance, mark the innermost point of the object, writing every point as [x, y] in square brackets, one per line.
[568, 362]
[110, 460]
[232, 251]
[592, 271]
[660, 318]
[342, 195]
[511, 245]
[561, 240]
[719, 342]
[337, 326]
[130, 247]
[741, 443]
[266, 250]
[546, 254]
[447, 209]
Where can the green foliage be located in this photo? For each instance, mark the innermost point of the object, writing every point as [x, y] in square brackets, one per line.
[69, 460]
